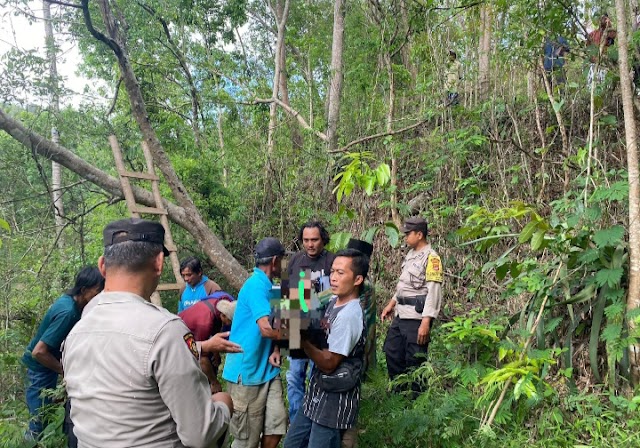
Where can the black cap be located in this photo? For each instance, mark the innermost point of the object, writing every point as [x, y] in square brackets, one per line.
[269, 247]
[417, 223]
[362, 246]
[134, 229]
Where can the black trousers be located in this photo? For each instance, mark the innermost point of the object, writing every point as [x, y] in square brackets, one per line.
[67, 427]
[401, 347]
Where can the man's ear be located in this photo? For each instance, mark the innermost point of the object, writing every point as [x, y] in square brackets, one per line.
[359, 280]
[101, 267]
[158, 262]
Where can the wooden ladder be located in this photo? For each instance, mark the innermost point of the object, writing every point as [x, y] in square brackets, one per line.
[136, 210]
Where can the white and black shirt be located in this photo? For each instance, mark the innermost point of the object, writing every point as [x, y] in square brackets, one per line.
[346, 336]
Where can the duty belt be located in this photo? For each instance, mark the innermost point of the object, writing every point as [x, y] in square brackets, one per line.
[409, 300]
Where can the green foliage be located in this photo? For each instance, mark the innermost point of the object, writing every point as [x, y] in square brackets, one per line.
[358, 173]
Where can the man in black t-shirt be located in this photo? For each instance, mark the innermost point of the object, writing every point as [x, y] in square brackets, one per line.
[316, 259]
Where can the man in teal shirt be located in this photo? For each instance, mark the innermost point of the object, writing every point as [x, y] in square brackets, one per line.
[42, 356]
[253, 376]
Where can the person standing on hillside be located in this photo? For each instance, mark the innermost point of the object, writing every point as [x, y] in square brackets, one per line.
[42, 355]
[453, 75]
[416, 303]
[598, 41]
[316, 259]
[197, 285]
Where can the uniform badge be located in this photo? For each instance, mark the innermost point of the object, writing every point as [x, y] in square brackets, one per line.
[191, 343]
[434, 269]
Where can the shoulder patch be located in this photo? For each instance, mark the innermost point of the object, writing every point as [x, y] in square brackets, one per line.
[434, 269]
[191, 344]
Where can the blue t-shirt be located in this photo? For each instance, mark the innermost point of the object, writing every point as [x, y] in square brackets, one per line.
[554, 53]
[251, 367]
[54, 328]
[192, 295]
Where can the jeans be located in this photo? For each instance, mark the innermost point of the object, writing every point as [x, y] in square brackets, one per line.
[304, 433]
[37, 381]
[296, 378]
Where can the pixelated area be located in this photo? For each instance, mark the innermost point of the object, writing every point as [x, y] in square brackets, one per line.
[288, 310]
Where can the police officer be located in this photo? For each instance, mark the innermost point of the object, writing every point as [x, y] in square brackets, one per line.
[131, 367]
[415, 304]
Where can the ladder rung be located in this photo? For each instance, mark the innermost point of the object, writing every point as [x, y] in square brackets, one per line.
[147, 176]
[149, 210]
[168, 287]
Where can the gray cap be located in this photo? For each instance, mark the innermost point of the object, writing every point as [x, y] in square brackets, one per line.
[269, 247]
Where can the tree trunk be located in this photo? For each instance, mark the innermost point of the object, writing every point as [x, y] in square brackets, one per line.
[210, 244]
[54, 107]
[484, 51]
[337, 75]
[630, 128]
[280, 14]
[195, 224]
[223, 157]
[389, 127]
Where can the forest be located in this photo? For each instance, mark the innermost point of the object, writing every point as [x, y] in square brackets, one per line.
[260, 115]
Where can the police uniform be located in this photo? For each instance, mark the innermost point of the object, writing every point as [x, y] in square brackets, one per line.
[418, 294]
[133, 376]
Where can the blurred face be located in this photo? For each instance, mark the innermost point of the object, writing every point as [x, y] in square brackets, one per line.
[344, 282]
[225, 320]
[190, 277]
[312, 242]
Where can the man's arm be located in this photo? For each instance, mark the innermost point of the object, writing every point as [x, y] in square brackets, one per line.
[325, 360]
[388, 310]
[207, 367]
[266, 330]
[200, 418]
[42, 354]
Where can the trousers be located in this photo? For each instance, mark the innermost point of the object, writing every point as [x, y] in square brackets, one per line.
[401, 347]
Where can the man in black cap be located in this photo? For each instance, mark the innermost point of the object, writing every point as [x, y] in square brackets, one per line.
[253, 376]
[416, 303]
[368, 303]
[131, 368]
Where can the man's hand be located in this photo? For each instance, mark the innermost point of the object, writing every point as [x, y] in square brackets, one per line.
[423, 331]
[215, 387]
[387, 312]
[275, 360]
[219, 344]
[224, 398]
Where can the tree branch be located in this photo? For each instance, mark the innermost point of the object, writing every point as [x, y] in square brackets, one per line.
[379, 135]
[294, 113]
[71, 5]
[115, 97]
[97, 34]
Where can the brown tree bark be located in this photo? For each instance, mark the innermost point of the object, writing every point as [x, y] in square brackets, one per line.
[337, 74]
[210, 244]
[631, 137]
[484, 51]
